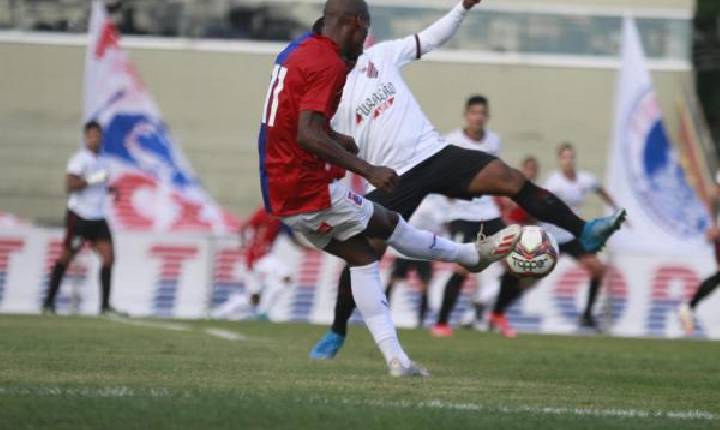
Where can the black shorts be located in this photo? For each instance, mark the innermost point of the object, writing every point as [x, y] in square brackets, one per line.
[79, 230]
[467, 231]
[448, 172]
[574, 249]
[402, 266]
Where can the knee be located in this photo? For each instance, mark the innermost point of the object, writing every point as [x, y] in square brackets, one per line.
[459, 271]
[65, 258]
[108, 259]
[361, 259]
[383, 223]
[514, 180]
[596, 268]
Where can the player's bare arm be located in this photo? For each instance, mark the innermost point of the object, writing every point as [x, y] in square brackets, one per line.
[606, 197]
[347, 142]
[75, 183]
[313, 137]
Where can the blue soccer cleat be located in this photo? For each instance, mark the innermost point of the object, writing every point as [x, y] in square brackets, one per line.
[596, 232]
[327, 347]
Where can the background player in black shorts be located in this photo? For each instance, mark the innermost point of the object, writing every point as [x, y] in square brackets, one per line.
[86, 182]
[572, 186]
[470, 217]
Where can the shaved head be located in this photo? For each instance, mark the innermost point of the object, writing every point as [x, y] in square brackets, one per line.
[346, 22]
[346, 8]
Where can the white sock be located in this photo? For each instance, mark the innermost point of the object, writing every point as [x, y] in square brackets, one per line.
[372, 303]
[423, 245]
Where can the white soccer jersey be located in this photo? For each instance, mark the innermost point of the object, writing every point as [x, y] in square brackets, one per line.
[482, 208]
[90, 202]
[573, 193]
[379, 110]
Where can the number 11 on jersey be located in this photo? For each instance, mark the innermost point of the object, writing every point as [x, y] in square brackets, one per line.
[273, 93]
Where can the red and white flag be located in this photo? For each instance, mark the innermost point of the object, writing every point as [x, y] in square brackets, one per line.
[158, 189]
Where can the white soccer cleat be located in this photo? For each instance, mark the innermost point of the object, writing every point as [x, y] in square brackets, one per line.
[495, 247]
[412, 370]
[687, 319]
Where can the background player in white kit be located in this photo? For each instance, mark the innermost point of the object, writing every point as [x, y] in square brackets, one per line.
[468, 217]
[379, 112]
[86, 182]
[573, 186]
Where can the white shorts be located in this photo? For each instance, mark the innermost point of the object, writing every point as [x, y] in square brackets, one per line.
[347, 216]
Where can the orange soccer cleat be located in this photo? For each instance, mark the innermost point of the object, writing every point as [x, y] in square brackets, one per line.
[441, 330]
[501, 323]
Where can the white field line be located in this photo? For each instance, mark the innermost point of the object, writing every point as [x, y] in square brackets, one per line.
[213, 331]
[152, 324]
[697, 415]
[225, 334]
[89, 392]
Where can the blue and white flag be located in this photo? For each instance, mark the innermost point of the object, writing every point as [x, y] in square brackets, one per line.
[645, 176]
[157, 188]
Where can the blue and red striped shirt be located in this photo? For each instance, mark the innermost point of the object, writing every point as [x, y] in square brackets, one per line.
[308, 75]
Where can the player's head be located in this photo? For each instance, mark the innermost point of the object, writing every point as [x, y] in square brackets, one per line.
[477, 113]
[566, 157]
[92, 134]
[346, 22]
[530, 167]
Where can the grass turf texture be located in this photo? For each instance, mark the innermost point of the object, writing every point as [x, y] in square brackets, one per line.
[90, 373]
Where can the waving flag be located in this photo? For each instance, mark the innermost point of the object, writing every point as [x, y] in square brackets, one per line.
[157, 187]
[645, 175]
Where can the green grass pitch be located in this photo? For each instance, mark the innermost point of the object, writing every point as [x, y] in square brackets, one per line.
[96, 373]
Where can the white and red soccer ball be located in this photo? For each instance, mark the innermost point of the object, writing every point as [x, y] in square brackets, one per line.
[535, 254]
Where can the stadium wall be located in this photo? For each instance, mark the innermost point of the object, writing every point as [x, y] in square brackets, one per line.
[210, 94]
[191, 276]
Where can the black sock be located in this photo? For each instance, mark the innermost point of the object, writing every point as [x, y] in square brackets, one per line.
[510, 291]
[545, 206]
[388, 291]
[345, 304]
[423, 308]
[707, 287]
[450, 296]
[56, 277]
[479, 311]
[105, 275]
[592, 296]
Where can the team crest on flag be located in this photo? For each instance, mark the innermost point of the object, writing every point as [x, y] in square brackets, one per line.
[158, 189]
[656, 176]
[645, 176]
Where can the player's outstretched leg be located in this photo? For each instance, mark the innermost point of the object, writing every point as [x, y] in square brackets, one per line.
[497, 178]
[423, 245]
[687, 310]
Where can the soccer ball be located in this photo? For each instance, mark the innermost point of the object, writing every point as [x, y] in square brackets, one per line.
[535, 254]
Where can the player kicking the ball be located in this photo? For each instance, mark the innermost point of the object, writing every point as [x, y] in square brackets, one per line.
[301, 157]
[380, 113]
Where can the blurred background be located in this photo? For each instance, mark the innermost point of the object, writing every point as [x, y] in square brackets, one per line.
[548, 66]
